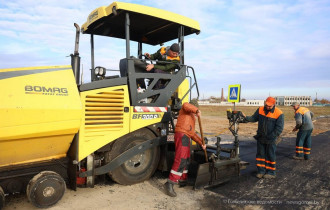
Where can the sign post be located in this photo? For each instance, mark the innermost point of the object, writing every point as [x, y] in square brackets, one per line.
[234, 94]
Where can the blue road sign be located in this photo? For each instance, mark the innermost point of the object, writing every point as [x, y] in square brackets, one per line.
[234, 92]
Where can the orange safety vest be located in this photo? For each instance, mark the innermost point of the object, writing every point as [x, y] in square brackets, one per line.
[302, 110]
[275, 115]
[163, 52]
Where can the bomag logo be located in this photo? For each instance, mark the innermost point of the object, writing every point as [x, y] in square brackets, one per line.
[42, 90]
[145, 116]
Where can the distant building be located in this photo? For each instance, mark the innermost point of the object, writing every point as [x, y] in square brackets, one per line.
[280, 101]
[224, 103]
[254, 102]
[288, 100]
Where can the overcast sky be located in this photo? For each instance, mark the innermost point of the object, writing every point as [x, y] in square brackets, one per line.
[276, 48]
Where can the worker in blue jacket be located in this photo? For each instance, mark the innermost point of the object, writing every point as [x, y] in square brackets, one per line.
[270, 125]
[305, 126]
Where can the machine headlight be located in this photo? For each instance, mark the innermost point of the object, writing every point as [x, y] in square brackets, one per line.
[99, 71]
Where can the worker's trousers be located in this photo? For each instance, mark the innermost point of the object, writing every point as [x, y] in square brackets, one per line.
[179, 169]
[266, 158]
[304, 143]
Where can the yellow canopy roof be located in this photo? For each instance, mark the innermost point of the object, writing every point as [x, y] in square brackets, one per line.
[147, 24]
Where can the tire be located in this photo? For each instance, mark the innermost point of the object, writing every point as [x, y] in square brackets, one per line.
[142, 166]
[2, 198]
[45, 189]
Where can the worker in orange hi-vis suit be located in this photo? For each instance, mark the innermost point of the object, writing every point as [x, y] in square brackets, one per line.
[304, 124]
[184, 131]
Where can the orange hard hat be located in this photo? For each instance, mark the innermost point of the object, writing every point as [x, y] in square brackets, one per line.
[270, 101]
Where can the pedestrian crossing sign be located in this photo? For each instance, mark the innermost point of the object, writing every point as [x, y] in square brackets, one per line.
[234, 93]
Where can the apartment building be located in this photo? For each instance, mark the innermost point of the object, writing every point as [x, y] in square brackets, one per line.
[288, 100]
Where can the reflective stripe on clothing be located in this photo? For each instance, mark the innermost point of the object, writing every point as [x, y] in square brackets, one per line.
[270, 168]
[270, 165]
[260, 159]
[270, 162]
[261, 162]
[176, 173]
[299, 150]
[307, 151]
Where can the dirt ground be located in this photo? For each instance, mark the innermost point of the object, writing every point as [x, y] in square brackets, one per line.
[149, 194]
[214, 125]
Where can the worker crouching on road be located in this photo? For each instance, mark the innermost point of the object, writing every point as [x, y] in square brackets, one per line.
[270, 126]
[184, 131]
[305, 126]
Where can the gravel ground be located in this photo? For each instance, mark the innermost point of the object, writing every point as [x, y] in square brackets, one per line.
[299, 184]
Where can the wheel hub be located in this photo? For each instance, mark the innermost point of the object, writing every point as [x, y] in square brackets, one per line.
[136, 161]
[48, 191]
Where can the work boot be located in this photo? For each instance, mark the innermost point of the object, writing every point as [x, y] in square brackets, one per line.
[259, 176]
[169, 189]
[269, 176]
[297, 158]
[183, 183]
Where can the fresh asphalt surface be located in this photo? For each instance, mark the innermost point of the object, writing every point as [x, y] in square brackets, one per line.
[299, 184]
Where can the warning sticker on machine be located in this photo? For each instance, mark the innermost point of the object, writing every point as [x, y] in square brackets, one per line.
[146, 116]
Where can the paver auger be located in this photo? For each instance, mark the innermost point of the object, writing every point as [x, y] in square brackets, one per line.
[223, 162]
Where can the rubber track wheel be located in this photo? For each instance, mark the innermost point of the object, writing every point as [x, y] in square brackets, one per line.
[45, 189]
[142, 166]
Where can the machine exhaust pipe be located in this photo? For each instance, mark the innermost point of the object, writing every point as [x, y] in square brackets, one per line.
[76, 46]
[75, 59]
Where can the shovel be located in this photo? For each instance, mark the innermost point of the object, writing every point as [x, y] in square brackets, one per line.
[202, 135]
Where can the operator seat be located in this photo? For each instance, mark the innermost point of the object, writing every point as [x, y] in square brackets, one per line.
[123, 67]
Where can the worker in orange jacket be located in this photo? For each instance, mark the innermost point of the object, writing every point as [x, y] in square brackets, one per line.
[304, 126]
[184, 131]
[270, 125]
[168, 54]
